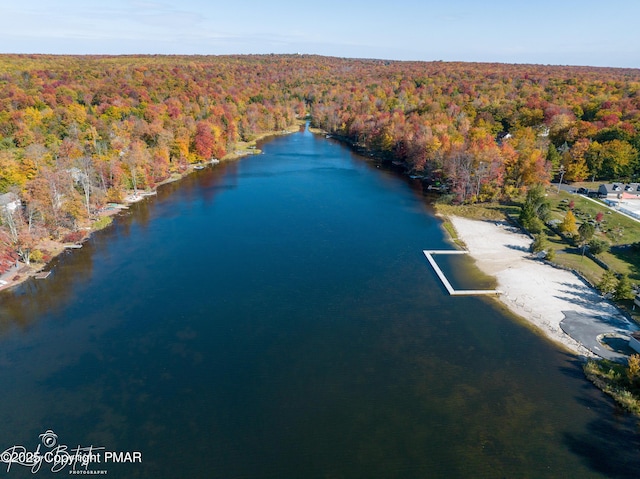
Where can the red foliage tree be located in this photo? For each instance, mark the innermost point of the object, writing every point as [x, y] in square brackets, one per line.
[204, 140]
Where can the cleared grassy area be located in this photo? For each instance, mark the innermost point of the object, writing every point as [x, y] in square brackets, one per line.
[624, 261]
[489, 211]
[591, 270]
[617, 229]
[571, 257]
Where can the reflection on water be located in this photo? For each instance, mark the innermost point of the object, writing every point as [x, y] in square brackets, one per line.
[276, 318]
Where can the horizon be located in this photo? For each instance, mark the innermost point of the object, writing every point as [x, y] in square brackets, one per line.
[392, 60]
[421, 31]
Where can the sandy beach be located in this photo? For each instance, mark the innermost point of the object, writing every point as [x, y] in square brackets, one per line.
[532, 289]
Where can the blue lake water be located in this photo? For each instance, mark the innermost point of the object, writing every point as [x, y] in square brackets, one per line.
[275, 318]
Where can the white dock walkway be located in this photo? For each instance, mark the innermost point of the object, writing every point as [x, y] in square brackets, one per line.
[454, 292]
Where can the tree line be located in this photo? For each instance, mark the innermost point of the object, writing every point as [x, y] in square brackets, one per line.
[77, 132]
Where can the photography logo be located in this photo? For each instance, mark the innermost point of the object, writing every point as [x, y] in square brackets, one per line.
[50, 454]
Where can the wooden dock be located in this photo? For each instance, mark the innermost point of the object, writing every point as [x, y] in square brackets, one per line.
[454, 292]
[42, 275]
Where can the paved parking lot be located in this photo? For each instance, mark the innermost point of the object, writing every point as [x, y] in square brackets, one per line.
[588, 330]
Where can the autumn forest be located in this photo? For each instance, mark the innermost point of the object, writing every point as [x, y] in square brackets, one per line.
[79, 132]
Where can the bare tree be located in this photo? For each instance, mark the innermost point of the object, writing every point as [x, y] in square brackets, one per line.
[19, 237]
[85, 180]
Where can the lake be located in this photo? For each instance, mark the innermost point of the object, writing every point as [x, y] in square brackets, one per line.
[275, 317]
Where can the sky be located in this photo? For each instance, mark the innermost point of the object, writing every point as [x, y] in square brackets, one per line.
[554, 32]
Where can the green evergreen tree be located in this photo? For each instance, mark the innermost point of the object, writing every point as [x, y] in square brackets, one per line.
[540, 243]
[597, 246]
[623, 289]
[553, 156]
[535, 210]
[551, 254]
[586, 232]
[608, 283]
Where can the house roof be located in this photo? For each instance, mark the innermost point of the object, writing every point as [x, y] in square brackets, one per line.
[620, 188]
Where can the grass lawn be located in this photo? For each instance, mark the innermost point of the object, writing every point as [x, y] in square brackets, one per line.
[624, 260]
[618, 230]
[591, 270]
[485, 211]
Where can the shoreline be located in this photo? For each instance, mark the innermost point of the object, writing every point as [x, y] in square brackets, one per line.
[22, 272]
[529, 287]
[534, 291]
